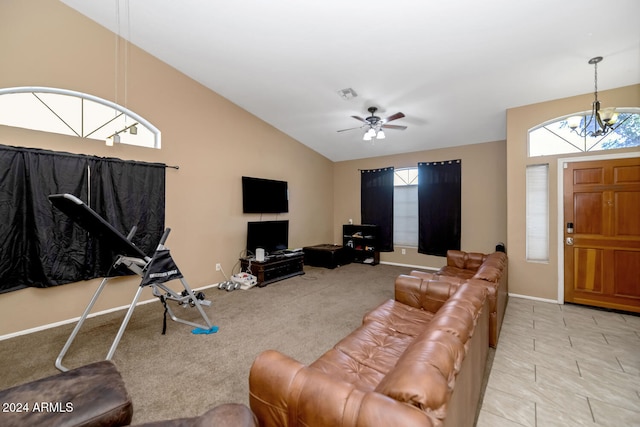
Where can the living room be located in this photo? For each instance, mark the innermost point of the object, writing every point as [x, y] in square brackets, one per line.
[215, 142]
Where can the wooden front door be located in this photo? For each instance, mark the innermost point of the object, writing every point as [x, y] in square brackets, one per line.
[602, 252]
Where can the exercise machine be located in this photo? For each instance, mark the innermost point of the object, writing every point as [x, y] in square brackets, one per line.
[155, 271]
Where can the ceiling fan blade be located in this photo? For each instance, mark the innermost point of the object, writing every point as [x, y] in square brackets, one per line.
[344, 130]
[395, 116]
[396, 127]
[359, 118]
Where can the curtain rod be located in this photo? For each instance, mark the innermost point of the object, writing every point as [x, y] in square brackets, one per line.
[172, 167]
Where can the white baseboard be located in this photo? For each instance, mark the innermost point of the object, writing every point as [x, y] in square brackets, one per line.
[75, 319]
[421, 267]
[552, 301]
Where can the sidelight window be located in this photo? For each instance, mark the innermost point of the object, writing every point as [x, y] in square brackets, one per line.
[537, 213]
[405, 207]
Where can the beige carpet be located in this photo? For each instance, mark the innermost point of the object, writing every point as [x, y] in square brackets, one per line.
[182, 374]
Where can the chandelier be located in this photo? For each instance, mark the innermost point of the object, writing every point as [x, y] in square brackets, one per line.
[601, 121]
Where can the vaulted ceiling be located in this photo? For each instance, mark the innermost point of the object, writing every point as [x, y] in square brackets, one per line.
[452, 67]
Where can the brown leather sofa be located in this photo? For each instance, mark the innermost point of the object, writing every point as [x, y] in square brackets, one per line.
[416, 360]
[487, 269]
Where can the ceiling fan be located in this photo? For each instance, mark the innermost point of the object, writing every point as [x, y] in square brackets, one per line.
[375, 124]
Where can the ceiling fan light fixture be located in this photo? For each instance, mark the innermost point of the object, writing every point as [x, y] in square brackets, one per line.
[374, 124]
[371, 133]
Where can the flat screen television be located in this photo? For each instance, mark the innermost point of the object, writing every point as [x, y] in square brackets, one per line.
[272, 236]
[264, 195]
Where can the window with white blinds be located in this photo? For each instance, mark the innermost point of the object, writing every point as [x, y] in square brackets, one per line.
[405, 207]
[537, 213]
[405, 215]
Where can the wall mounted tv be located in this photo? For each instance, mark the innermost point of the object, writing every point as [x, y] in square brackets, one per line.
[264, 195]
[272, 236]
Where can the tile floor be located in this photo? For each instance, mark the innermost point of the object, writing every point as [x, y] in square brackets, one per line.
[564, 365]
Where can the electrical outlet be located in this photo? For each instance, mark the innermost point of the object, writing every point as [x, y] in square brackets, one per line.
[404, 251]
[218, 267]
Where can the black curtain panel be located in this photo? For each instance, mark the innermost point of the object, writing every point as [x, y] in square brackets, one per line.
[376, 203]
[57, 251]
[129, 194]
[13, 245]
[439, 207]
[39, 245]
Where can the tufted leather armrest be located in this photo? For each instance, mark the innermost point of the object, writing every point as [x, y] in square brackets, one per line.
[424, 292]
[284, 392]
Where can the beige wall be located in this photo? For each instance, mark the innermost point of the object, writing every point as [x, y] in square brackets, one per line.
[484, 215]
[45, 43]
[541, 279]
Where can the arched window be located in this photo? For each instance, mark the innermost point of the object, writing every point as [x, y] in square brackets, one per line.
[558, 137]
[77, 114]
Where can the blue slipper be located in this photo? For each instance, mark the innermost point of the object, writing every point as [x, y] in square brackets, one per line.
[213, 330]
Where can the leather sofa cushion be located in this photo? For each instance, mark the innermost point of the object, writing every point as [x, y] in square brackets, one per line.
[472, 298]
[455, 320]
[474, 260]
[456, 258]
[367, 354]
[425, 290]
[96, 391]
[425, 373]
[461, 273]
[488, 273]
[464, 260]
[399, 317]
[491, 270]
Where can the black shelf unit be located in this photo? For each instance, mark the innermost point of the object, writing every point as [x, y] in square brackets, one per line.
[362, 241]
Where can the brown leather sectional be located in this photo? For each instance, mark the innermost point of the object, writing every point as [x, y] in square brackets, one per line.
[489, 270]
[416, 360]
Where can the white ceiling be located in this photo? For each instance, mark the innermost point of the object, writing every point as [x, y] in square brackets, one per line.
[452, 67]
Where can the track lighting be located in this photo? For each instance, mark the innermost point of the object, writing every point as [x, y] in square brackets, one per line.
[115, 138]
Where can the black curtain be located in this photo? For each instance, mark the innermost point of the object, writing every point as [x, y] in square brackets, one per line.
[376, 203]
[39, 245]
[128, 194]
[439, 207]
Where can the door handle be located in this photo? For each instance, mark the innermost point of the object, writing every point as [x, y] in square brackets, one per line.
[569, 241]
